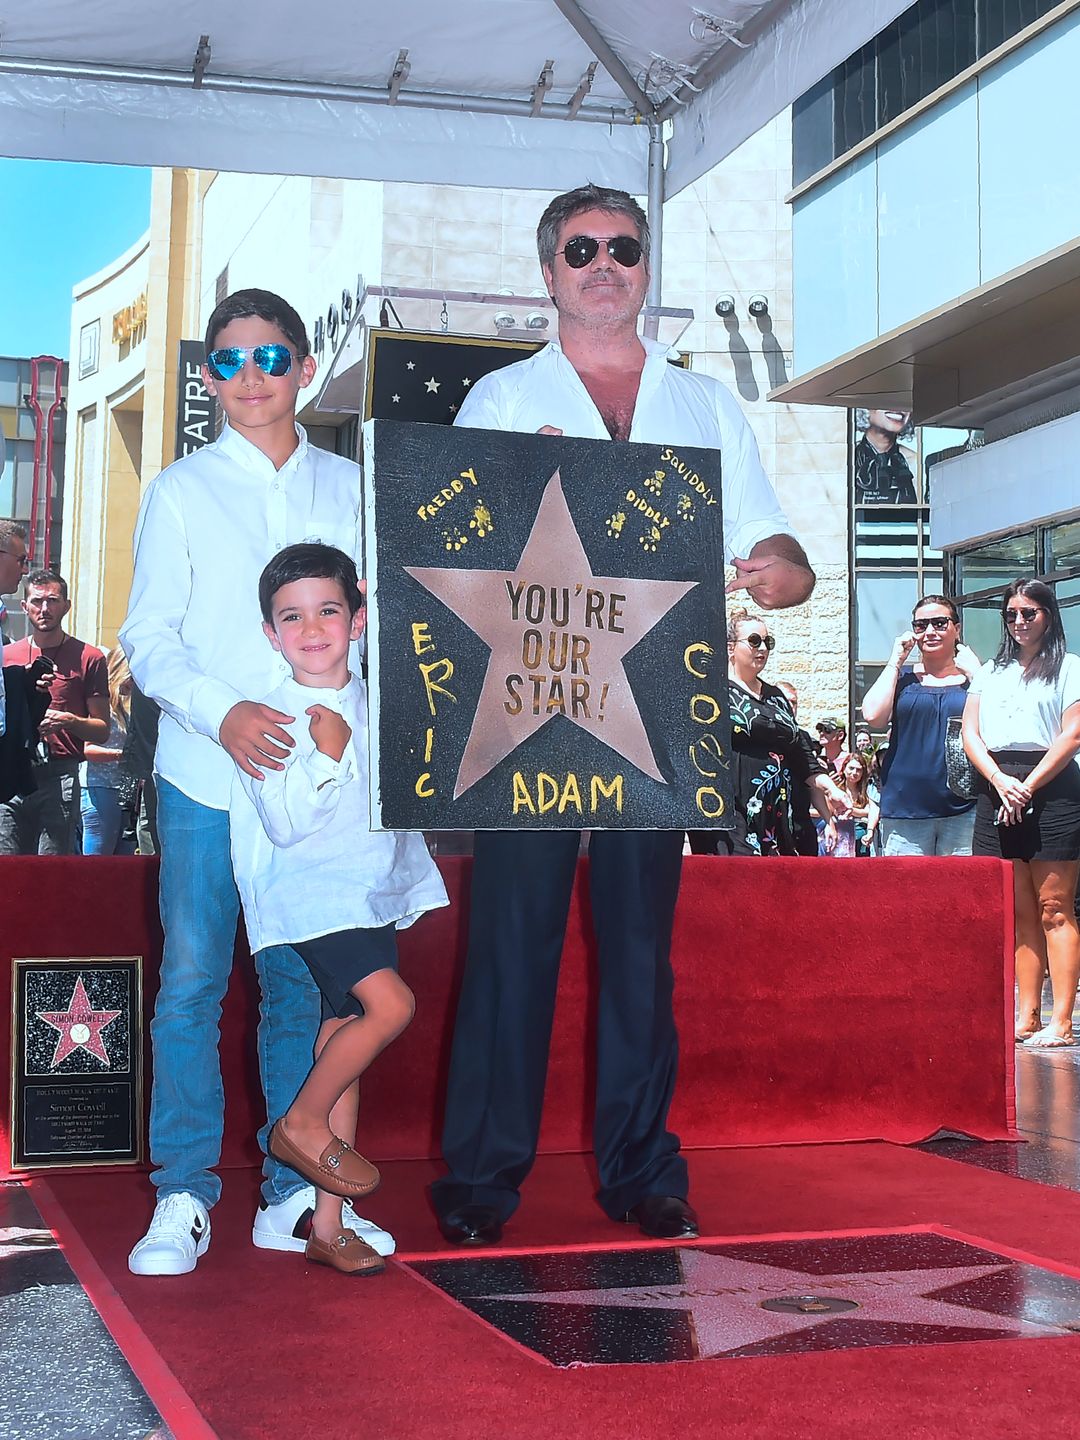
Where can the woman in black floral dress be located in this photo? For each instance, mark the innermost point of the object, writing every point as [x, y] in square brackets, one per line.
[770, 755]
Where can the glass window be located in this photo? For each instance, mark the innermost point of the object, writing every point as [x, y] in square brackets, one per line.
[1068, 594]
[812, 131]
[992, 566]
[1063, 547]
[1000, 20]
[856, 99]
[884, 606]
[980, 624]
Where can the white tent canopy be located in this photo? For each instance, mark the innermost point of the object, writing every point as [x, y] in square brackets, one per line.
[524, 93]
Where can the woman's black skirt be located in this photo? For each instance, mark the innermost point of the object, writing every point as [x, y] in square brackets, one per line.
[1051, 831]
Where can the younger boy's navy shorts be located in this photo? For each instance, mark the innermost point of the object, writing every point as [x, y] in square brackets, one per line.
[337, 962]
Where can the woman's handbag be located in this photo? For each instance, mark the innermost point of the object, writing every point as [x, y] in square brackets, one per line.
[960, 774]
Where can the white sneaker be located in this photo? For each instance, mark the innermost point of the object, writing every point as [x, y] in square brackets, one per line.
[179, 1233]
[286, 1226]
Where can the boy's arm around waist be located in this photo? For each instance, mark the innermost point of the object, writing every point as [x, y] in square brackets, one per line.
[162, 664]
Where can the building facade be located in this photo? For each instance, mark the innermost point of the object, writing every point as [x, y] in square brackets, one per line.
[33, 395]
[937, 273]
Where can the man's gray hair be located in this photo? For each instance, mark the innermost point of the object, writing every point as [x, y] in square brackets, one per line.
[576, 202]
[8, 528]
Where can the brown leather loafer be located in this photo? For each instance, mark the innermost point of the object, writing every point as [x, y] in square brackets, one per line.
[339, 1169]
[346, 1252]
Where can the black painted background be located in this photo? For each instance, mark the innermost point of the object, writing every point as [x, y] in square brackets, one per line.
[408, 464]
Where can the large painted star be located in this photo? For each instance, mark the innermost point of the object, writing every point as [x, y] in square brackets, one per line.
[723, 1297]
[80, 1026]
[558, 635]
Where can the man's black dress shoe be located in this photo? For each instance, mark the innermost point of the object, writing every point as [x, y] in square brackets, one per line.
[664, 1217]
[471, 1225]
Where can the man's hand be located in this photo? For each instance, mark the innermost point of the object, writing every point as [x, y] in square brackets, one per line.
[329, 731]
[251, 733]
[549, 430]
[775, 574]
[55, 720]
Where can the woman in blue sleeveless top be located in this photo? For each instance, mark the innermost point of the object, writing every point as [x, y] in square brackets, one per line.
[920, 815]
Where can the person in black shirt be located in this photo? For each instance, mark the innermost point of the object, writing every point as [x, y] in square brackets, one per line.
[882, 473]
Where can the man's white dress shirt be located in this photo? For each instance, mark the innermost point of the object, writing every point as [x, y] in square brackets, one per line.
[674, 407]
[306, 860]
[193, 635]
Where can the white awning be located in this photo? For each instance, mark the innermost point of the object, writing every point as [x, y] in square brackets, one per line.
[524, 93]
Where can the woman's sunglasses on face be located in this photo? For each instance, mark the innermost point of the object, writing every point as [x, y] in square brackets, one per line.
[757, 641]
[1022, 612]
[936, 622]
[623, 249]
[271, 359]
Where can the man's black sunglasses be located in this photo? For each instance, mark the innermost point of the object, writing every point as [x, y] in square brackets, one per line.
[623, 249]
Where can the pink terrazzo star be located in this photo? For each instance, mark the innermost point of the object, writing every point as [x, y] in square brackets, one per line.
[80, 1026]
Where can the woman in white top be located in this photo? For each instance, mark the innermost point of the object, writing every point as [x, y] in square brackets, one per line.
[1022, 733]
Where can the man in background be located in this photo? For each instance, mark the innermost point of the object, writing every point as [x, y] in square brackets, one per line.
[43, 823]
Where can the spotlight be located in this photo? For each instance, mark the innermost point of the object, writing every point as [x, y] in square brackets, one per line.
[536, 320]
[725, 306]
[758, 305]
[504, 320]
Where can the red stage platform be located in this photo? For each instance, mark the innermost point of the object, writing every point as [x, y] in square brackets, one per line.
[817, 1000]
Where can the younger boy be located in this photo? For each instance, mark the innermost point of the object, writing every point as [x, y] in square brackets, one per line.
[207, 526]
[313, 874]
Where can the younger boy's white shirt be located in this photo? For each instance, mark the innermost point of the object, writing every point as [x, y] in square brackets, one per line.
[305, 858]
[207, 526]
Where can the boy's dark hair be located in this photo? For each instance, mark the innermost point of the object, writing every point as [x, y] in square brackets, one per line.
[262, 305]
[308, 561]
[48, 577]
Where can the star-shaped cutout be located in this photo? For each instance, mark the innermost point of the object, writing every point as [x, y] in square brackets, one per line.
[723, 1297]
[575, 668]
[410, 365]
[432, 385]
[396, 399]
[80, 1026]
[466, 382]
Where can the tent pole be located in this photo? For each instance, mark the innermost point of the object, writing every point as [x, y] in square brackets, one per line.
[656, 223]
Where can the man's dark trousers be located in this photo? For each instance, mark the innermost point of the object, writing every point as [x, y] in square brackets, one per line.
[521, 888]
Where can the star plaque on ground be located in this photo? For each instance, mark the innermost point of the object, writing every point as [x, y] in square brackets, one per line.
[653, 1305]
[546, 632]
[76, 1051]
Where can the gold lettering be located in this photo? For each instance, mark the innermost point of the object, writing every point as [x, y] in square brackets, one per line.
[600, 789]
[421, 638]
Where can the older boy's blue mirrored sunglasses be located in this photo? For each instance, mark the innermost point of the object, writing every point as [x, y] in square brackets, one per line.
[271, 360]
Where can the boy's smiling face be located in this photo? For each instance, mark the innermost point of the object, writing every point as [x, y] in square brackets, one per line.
[252, 400]
[312, 628]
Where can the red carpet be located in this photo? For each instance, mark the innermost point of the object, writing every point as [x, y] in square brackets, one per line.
[816, 1001]
[267, 1348]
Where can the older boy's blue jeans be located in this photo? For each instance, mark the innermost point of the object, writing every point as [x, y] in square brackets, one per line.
[199, 911]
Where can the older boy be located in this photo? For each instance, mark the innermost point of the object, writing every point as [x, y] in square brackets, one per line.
[207, 526]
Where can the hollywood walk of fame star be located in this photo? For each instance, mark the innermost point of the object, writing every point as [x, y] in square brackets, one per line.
[723, 1296]
[555, 559]
[80, 1026]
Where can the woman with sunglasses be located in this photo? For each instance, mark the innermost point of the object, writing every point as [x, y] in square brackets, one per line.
[1022, 733]
[771, 756]
[920, 815]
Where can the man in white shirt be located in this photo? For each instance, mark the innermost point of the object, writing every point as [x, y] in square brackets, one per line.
[598, 380]
[207, 526]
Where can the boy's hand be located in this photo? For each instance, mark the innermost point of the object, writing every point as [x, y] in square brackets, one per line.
[251, 733]
[329, 731]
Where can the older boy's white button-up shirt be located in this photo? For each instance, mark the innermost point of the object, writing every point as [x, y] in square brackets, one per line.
[207, 526]
[673, 407]
[305, 858]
